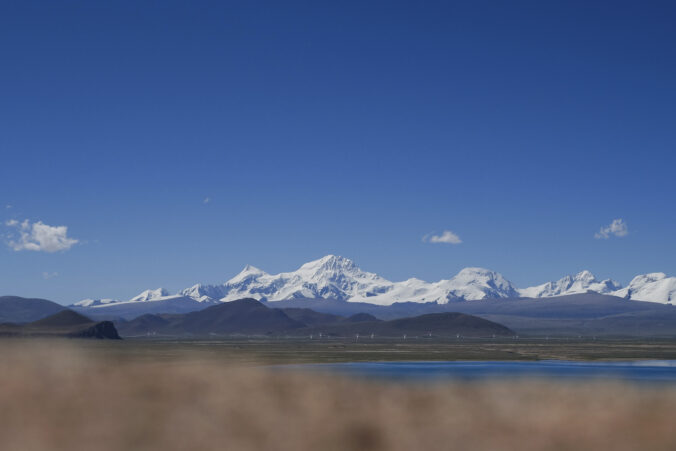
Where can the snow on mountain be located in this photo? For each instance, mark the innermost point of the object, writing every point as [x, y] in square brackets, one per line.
[151, 295]
[472, 284]
[95, 302]
[159, 294]
[330, 277]
[580, 283]
[204, 293]
[653, 287]
[339, 278]
[334, 277]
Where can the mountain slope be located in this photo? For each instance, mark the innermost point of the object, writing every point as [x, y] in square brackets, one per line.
[580, 283]
[654, 287]
[133, 309]
[248, 316]
[438, 325]
[65, 323]
[242, 316]
[64, 318]
[14, 309]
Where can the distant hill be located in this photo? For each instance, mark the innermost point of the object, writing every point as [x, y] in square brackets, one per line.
[15, 309]
[243, 316]
[587, 314]
[432, 324]
[248, 316]
[310, 317]
[64, 318]
[64, 323]
[360, 318]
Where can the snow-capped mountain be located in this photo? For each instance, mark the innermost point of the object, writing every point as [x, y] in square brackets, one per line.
[580, 283]
[653, 287]
[151, 295]
[330, 277]
[339, 278]
[95, 302]
[472, 284]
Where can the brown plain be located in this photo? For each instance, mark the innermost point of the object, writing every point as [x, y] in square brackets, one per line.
[62, 396]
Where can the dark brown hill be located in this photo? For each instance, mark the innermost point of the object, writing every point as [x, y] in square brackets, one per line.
[310, 317]
[244, 316]
[65, 323]
[64, 318]
[432, 324]
[360, 318]
[248, 316]
[15, 309]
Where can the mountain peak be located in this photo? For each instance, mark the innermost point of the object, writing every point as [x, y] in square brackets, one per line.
[584, 277]
[653, 287]
[340, 279]
[329, 263]
[476, 271]
[581, 282]
[478, 283]
[650, 277]
[251, 269]
[150, 295]
[248, 273]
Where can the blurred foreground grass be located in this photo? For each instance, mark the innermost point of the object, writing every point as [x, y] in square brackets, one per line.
[62, 396]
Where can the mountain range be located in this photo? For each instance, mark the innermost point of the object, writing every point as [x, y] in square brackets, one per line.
[249, 316]
[338, 278]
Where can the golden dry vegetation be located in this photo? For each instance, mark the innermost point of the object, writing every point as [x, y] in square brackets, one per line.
[57, 396]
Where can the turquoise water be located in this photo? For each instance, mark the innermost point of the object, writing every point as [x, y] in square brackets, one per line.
[640, 371]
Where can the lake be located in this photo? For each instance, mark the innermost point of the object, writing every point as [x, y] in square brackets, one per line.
[639, 371]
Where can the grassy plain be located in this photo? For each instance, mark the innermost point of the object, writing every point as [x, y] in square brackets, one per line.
[282, 351]
[222, 395]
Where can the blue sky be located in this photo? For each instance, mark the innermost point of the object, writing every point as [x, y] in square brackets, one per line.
[353, 128]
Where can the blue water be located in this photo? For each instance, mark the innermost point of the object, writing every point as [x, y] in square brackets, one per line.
[639, 371]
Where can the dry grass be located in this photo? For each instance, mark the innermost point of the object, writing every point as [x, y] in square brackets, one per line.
[57, 398]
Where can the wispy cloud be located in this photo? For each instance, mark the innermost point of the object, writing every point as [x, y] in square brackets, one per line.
[206, 200]
[446, 236]
[39, 236]
[616, 228]
[49, 275]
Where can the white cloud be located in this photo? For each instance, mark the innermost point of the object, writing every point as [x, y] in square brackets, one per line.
[447, 237]
[40, 237]
[49, 275]
[616, 228]
[206, 200]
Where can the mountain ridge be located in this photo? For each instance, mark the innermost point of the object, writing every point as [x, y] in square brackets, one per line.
[339, 278]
